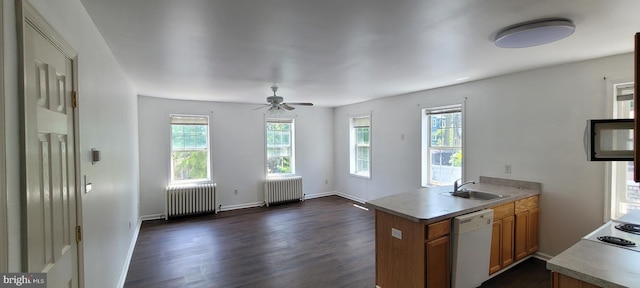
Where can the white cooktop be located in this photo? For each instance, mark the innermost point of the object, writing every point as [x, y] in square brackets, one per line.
[608, 229]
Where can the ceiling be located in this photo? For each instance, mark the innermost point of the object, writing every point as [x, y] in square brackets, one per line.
[339, 52]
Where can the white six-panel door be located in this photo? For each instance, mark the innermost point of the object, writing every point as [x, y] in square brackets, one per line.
[49, 172]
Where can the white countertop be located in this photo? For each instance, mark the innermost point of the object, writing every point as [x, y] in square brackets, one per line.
[430, 205]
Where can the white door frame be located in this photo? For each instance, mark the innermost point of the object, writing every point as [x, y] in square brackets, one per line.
[25, 12]
[4, 233]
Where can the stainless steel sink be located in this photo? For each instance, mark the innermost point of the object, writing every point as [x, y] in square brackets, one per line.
[475, 195]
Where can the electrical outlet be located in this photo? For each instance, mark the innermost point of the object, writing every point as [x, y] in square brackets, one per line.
[235, 191]
[507, 169]
[395, 233]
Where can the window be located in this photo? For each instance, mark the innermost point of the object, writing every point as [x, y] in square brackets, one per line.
[625, 194]
[280, 147]
[360, 146]
[189, 149]
[441, 145]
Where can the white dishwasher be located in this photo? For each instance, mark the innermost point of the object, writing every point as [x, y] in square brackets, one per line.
[471, 248]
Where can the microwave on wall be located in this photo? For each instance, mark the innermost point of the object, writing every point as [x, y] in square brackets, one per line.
[609, 139]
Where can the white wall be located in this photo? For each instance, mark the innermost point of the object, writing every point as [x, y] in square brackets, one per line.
[533, 120]
[237, 145]
[108, 121]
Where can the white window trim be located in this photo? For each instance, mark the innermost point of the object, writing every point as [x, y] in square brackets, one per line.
[610, 197]
[426, 138]
[209, 154]
[352, 146]
[293, 147]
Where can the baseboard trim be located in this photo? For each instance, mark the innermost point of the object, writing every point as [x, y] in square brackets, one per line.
[132, 246]
[152, 217]
[310, 196]
[318, 195]
[259, 204]
[240, 206]
[353, 198]
[542, 256]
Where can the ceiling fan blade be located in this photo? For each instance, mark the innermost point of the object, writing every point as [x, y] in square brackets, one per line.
[263, 106]
[300, 103]
[286, 106]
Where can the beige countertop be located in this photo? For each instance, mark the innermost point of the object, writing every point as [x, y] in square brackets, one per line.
[429, 205]
[600, 264]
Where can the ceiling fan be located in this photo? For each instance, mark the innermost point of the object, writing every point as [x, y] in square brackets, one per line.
[276, 104]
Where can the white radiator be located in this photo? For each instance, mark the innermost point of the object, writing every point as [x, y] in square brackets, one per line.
[283, 189]
[191, 199]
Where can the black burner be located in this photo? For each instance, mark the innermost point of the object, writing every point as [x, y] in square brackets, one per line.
[631, 228]
[616, 241]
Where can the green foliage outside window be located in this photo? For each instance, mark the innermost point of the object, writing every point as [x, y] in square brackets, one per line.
[189, 152]
[189, 165]
[362, 149]
[456, 159]
[279, 147]
[444, 147]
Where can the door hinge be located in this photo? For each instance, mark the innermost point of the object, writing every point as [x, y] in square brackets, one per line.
[74, 99]
[78, 234]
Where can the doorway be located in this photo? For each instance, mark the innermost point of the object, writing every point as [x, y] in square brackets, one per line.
[51, 235]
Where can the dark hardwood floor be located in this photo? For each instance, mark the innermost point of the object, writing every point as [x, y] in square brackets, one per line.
[324, 242]
[531, 273]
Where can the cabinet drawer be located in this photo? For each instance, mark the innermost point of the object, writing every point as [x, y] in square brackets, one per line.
[526, 204]
[438, 229]
[502, 211]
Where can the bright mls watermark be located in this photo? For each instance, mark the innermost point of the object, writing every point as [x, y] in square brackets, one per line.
[23, 280]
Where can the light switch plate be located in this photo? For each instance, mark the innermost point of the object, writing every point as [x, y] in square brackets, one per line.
[395, 233]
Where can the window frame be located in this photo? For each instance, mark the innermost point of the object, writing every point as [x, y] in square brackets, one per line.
[292, 139]
[615, 170]
[353, 146]
[425, 147]
[209, 177]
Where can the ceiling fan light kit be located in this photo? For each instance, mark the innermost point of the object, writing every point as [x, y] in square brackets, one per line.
[276, 104]
[534, 33]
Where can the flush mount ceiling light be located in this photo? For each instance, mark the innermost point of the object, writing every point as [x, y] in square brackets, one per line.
[534, 33]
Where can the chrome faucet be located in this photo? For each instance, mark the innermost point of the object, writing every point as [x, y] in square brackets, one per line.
[456, 186]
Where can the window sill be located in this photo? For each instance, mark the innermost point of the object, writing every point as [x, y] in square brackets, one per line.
[363, 176]
[279, 176]
[190, 183]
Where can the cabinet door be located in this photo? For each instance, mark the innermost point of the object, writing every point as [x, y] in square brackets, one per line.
[521, 249]
[496, 247]
[438, 263]
[507, 241]
[532, 230]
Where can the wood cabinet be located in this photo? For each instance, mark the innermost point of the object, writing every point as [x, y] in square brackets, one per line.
[502, 245]
[563, 281]
[526, 226]
[412, 254]
[438, 255]
[515, 232]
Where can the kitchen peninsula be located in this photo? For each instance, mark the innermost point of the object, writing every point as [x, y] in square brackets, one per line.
[591, 263]
[413, 230]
